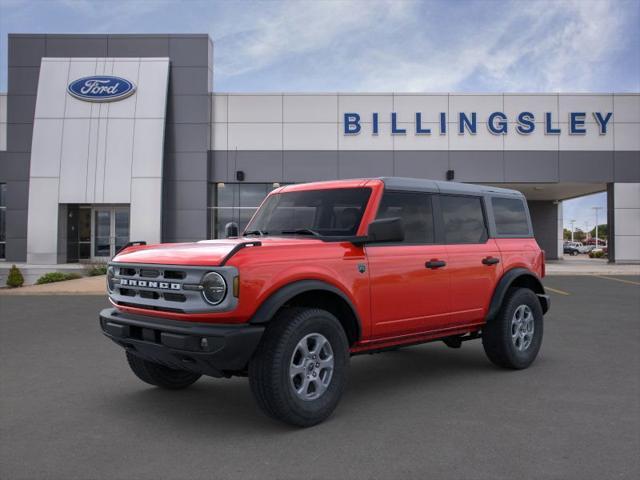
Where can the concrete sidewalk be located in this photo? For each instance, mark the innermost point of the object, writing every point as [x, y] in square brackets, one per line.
[583, 265]
[80, 286]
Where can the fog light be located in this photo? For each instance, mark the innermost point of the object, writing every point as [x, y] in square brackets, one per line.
[204, 344]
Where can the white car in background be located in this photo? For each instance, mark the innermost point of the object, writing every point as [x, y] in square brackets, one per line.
[579, 246]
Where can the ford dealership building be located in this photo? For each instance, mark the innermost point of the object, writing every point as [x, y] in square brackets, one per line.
[111, 138]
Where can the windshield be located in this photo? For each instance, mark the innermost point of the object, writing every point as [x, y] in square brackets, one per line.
[326, 213]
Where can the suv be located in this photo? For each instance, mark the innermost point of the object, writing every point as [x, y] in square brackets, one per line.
[325, 271]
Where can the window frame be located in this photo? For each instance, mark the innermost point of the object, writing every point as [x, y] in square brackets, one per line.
[437, 238]
[485, 218]
[494, 226]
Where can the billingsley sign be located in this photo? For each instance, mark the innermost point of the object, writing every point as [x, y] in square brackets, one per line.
[497, 123]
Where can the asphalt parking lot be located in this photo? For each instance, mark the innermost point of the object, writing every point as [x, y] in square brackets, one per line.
[70, 408]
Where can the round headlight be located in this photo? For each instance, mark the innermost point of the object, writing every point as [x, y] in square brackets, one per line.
[214, 288]
[111, 272]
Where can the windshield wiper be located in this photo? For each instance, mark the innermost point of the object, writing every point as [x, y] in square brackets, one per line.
[302, 231]
[255, 232]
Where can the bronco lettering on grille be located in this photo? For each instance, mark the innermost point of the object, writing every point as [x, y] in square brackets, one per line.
[129, 282]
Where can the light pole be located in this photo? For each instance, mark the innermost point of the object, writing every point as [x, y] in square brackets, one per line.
[572, 222]
[596, 210]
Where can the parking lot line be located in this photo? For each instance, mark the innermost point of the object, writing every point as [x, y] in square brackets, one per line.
[631, 282]
[555, 290]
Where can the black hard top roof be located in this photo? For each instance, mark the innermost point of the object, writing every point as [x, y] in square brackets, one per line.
[437, 186]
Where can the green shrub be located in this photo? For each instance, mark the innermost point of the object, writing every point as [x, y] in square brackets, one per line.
[52, 277]
[97, 270]
[15, 278]
[596, 254]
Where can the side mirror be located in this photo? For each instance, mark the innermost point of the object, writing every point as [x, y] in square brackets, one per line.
[385, 230]
[231, 230]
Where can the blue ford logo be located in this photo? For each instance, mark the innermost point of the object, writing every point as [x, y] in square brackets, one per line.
[102, 88]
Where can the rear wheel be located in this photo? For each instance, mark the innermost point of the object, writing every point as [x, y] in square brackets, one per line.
[300, 369]
[513, 338]
[159, 375]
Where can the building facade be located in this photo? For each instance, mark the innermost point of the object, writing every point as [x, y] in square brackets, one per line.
[111, 138]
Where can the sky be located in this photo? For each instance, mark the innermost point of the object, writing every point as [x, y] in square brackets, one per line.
[377, 45]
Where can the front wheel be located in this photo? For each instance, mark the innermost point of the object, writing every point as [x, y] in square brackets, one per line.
[300, 369]
[513, 338]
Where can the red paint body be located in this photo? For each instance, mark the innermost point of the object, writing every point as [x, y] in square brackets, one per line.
[397, 299]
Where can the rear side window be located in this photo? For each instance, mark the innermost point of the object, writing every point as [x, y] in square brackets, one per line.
[463, 219]
[415, 211]
[510, 216]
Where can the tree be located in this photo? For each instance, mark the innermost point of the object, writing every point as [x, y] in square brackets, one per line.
[15, 278]
[566, 234]
[603, 231]
[578, 235]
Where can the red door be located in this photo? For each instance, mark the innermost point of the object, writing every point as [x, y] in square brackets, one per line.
[408, 297]
[474, 259]
[472, 281]
[409, 280]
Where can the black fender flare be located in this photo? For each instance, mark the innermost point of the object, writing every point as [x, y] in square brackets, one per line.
[507, 280]
[280, 297]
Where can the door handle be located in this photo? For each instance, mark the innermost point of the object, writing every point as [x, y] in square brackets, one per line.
[490, 260]
[435, 264]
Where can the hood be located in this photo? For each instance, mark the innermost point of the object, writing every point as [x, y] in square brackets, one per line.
[204, 253]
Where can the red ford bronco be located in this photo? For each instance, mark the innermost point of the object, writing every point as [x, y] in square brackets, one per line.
[328, 270]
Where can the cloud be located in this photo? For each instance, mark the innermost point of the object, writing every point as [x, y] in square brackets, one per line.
[414, 46]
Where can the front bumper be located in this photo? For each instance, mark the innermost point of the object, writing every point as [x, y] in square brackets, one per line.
[208, 349]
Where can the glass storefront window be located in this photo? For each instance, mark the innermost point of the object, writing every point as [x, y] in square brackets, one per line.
[3, 217]
[235, 202]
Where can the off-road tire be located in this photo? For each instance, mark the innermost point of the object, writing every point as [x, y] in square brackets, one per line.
[496, 335]
[269, 375]
[159, 375]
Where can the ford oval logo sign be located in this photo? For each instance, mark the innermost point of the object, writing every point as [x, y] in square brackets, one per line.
[101, 88]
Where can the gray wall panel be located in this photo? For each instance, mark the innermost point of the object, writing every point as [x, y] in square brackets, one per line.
[189, 51]
[23, 80]
[186, 195]
[544, 217]
[16, 249]
[586, 166]
[258, 165]
[626, 166]
[477, 166]
[218, 166]
[309, 166]
[422, 164]
[186, 225]
[15, 167]
[188, 80]
[19, 137]
[26, 50]
[16, 223]
[17, 195]
[185, 166]
[187, 137]
[188, 109]
[76, 46]
[524, 166]
[358, 163]
[22, 108]
[138, 46]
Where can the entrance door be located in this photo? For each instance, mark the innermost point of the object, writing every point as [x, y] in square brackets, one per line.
[110, 231]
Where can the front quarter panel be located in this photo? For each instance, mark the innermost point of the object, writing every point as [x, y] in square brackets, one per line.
[266, 270]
